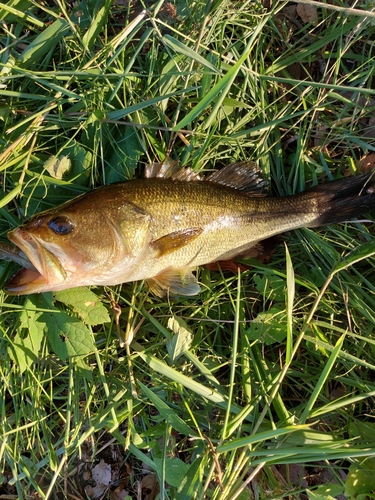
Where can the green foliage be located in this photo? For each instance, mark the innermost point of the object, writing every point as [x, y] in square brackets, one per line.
[85, 303]
[43, 43]
[167, 414]
[269, 327]
[27, 342]
[326, 492]
[360, 483]
[220, 395]
[67, 335]
[181, 340]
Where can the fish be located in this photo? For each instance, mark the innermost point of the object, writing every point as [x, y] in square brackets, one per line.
[161, 228]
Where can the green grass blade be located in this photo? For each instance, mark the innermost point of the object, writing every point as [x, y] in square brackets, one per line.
[259, 437]
[180, 48]
[44, 43]
[100, 17]
[220, 89]
[182, 379]
[322, 379]
[290, 293]
[6, 8]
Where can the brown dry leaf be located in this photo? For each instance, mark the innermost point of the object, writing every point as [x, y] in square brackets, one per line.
[118, 494]
[266, 4]
[89, 490]
[286, 21]
[121, 492]
[289, 11]
[295, 71]
[337, 393]
[149, 487]
[367, 163]
[86, 475]
[102, 475]
[168, 13]
[308, 13]
[57, 166]
[129, 469]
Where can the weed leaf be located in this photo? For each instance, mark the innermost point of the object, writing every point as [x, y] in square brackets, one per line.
[85, 303]
[68, 336]
[181, 340]
[360, 481]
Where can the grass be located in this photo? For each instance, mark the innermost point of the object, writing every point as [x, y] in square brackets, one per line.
[263, 385]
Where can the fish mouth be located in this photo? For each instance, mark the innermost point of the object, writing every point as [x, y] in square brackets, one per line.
[45, 271]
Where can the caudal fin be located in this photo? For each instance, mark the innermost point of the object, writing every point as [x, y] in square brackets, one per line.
[344, 199]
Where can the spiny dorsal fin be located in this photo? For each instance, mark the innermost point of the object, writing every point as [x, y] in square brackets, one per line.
[170, 169]
[244, 176]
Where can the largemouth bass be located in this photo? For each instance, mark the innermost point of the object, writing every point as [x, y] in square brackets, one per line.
[160, 229]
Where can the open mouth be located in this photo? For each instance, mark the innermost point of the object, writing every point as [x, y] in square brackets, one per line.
[25, 281]
[41, 274]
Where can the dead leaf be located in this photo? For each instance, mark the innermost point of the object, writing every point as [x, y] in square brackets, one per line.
[102, 475]
[308, 13]
[89, 490]
[267, 4]
[367, 163]
[118, 494]
[168, 13]
[339, 391]
[295, 71]
[289, 11]
[86, 475]
[57, 166]
[149, 487]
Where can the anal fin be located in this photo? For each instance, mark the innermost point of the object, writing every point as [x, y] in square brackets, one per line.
[262, 251]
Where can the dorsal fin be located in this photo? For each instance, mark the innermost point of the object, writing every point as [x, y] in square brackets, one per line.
[244, 176]
[170, 169]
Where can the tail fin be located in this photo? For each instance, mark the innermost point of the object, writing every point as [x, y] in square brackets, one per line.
[341, 200]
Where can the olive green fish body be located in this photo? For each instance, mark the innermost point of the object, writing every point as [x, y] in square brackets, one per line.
[161, 229]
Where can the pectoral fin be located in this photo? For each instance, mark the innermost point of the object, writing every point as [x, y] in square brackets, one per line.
[174, 281]
[173, 241]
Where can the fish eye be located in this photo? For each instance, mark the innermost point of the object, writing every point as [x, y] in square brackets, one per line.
[61, 225]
